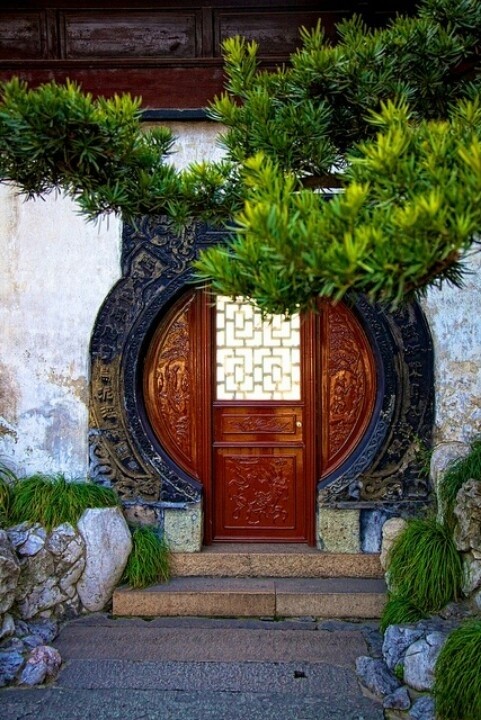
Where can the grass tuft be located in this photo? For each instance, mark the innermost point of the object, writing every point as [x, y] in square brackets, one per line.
[425, 566]
[149, 561]
[457, 685]
[7, 480]
[400, 610]
[456, 475]
[51, 500]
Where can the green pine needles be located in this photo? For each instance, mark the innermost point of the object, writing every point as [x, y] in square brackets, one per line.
[52, 500]
[457, 687]
[149, 561]
[392, 116]
[425, 572]
[94, 150]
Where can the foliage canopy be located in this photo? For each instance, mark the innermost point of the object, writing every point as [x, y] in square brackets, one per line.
[391, 116]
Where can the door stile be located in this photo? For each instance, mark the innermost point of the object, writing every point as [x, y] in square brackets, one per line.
[310, 391]
[205, 379]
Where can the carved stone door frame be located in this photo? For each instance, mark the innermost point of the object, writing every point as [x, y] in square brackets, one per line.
[382, 471]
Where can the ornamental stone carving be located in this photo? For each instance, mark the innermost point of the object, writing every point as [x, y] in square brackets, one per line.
[385, 466]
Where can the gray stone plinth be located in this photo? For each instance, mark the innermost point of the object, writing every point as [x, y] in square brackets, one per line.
[338, 530]
[183, 528]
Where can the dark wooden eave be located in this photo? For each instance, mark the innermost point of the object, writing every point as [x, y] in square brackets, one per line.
[168, 51]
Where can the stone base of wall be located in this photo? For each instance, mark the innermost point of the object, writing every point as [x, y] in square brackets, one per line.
[340, 528]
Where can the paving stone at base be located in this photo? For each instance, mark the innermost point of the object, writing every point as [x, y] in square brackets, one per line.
[209, 643]
[339, 530]
[108, 704]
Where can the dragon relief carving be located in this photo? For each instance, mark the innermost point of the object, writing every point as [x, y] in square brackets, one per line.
[259, 490]
[173, 384]
[259, 424]
[347, 379]
[113, 461]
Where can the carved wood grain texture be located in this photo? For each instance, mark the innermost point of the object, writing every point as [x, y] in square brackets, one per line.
[263, 452]
[259, 496]
[170, 385]
[114, 47]
[128, 34]
[349, 385]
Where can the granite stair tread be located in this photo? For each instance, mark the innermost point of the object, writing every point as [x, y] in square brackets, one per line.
[331, 597]
[274, 560]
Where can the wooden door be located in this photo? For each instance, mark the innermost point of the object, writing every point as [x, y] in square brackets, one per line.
[260, 418]
[262, 451]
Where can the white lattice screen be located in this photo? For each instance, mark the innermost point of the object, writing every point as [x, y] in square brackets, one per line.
[256, 359]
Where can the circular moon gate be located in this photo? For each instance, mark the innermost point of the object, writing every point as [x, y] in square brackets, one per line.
[369, 386]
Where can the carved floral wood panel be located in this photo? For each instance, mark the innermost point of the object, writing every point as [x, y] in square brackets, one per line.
[170, 385]
[258, 492]
[349, 384]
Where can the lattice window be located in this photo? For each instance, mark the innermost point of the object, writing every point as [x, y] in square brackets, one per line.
[256, 359]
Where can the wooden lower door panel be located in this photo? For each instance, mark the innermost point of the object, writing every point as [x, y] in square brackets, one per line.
[261, 495]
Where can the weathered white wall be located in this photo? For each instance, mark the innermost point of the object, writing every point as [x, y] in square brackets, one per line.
[55, 271]
[454, 316]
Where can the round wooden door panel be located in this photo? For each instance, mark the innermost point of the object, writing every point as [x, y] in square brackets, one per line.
[348, 386]
[169, 383]
[342, 365]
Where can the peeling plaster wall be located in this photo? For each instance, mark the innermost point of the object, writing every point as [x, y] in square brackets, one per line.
[454, 316]
[55, 271]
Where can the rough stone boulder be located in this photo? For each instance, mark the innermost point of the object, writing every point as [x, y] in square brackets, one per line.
[444, 455]
[50, 566]
[420, 660]
[467, 510]
[43, 662]
[108, 544]
[375, 677]
[9, 573]
[467, 534]
[390, 532]
[397, 640]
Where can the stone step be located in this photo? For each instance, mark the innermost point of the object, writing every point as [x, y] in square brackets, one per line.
[347, 598]
[273, 560]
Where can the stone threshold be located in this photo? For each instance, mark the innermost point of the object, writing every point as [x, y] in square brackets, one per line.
[346, 598]
[274, 560]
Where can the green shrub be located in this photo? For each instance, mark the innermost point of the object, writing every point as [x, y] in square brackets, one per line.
[457, 686]
[149, 561]
[52, 500]
[461, 470]
[425, 566]
[400, 610]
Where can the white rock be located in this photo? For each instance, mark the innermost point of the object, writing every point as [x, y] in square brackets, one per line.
[442, 457]
[41, 600]
[108, 544]
[420, 660]
[391, 530]
[70, 578]
[34, 542]
[471, 572]
[7, 626]
[467, 534]
[59, 540]
[9, 573]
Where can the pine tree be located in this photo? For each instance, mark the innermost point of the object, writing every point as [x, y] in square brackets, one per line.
[357, 168]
